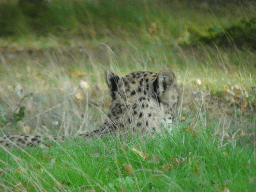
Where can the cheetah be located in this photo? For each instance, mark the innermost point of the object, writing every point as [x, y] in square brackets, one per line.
[140, 101]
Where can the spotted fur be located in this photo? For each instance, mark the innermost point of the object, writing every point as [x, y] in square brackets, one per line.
[140, 100]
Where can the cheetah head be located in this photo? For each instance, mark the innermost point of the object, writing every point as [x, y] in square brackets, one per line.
[140, 100]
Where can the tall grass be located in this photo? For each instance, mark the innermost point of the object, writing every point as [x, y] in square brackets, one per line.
[75, 41]
[52, 76]
[181, 161]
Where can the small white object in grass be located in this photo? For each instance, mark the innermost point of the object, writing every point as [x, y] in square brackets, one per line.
[79, 96]
[55, 122]
[84, 85]
[199, 82]
[19, 90]
[167, 122]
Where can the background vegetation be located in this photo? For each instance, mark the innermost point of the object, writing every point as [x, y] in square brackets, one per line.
[52, 57]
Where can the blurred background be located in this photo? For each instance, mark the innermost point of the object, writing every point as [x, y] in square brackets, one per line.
[161, 22]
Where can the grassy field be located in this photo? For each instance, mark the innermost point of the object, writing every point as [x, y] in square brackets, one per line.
[68, 57]
[181, 161]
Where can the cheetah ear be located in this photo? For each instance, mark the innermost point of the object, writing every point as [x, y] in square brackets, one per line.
[112, 80]
[165, 80]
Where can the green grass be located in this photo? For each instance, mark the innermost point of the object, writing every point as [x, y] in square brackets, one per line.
[89, 37]
[208, 164]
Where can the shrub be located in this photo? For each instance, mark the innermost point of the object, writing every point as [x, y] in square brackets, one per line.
[241, 35]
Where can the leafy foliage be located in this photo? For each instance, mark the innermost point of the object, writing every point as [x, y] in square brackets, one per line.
[12, 118]
[241, 35]
[19, 116]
